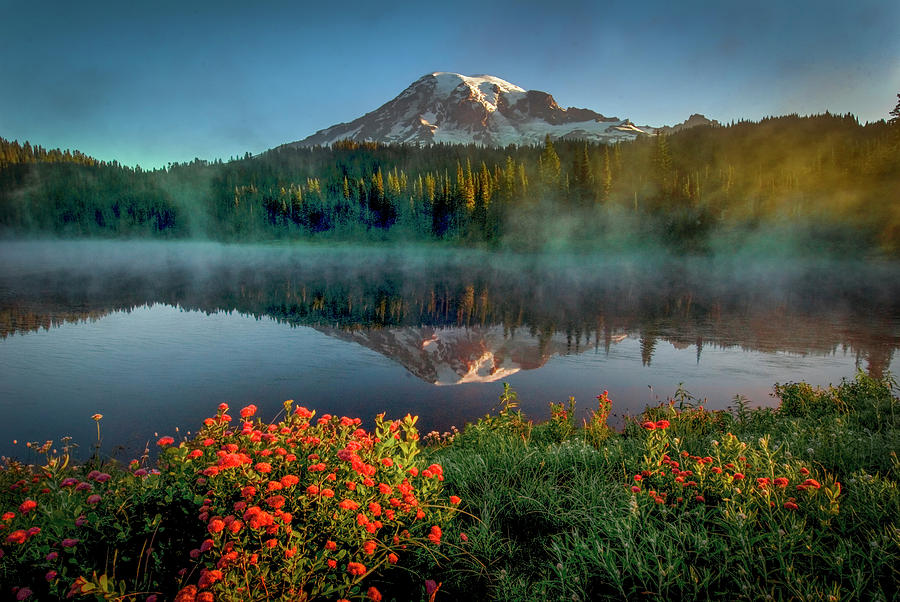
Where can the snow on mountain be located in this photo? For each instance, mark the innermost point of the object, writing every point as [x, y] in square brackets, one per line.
[480, 109]
[453, 355]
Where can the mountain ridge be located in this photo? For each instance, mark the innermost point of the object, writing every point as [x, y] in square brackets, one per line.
[445, 107]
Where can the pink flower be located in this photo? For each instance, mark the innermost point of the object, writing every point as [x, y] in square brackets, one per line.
[23, 594]
[69, 542]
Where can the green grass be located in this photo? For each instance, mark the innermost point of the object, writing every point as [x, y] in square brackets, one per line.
[552, 515]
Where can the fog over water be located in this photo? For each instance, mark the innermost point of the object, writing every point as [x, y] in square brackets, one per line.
[154, 334]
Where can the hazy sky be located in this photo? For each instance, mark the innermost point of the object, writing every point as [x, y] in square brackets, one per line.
[152, 82]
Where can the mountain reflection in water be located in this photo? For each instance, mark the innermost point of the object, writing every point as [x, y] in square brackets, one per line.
[457, 317]
[153, 335]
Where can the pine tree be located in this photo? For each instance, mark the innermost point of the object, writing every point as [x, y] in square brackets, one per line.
[549, 167]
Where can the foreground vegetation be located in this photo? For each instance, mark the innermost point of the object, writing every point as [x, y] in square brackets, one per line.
[798, 502]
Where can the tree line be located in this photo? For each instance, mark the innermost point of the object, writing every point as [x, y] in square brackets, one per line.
[825, 181]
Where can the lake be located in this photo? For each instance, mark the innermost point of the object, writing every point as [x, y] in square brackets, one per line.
[153, 335]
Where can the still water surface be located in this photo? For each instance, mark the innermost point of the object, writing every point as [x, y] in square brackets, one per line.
[154, 335]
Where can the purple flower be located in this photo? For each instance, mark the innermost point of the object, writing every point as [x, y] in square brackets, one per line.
[430, 587]
[68, 542]
[93, 499]
[69, 482]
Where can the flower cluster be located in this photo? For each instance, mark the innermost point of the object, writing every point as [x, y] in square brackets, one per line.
[308, 507]
[742, 479]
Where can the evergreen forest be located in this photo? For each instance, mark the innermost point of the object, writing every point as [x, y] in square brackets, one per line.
[822, 183]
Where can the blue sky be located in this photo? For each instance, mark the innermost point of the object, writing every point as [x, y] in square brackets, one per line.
[149, 83]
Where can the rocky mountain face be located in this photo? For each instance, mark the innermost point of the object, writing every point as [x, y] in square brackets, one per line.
[481, 109]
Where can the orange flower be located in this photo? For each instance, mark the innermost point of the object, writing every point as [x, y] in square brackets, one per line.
[374, 594]
[330, 545]
[355, 568]
[369, 547]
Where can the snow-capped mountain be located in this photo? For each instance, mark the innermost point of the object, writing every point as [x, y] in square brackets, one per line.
[480, 109]
[454, 355]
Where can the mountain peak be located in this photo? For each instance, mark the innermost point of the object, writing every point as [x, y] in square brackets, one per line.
[446, 107]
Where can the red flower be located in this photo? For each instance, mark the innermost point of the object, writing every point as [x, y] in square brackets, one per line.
[781, 482]
[207, 578]
[17, 536]
[384, 489]
[348, 505]
[700, 498]
[455, 500]
[435, 535]
[635, 489]
[738, 476]
[662, 424]
[790, 505]
[289, 480]
[355, 568]
[248, 411]
[332, 563]
[289, 553]
[374, 594]
[369, 547]
[387, 461]
[164, 441]
[216, 525]
[271, 543]
[650, 426]
[27, 506]
[330, 545]
[392, 558]
[263, 467]
[804, 471]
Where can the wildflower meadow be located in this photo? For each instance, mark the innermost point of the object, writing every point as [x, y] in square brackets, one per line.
[795, 502]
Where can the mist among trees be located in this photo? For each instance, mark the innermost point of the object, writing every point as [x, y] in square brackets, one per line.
[816, 183]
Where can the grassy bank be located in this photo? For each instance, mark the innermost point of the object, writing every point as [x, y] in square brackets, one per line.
[799, 502]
